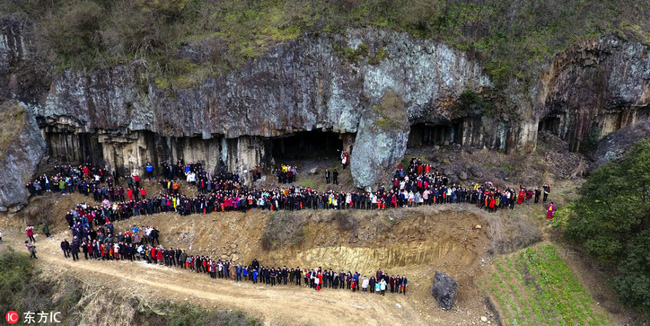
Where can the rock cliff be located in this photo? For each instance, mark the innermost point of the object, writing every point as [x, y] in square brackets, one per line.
[304, 85]
[123, 117]
[594, 89]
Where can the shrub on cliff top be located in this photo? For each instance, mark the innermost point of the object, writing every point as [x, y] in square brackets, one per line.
[512, 37]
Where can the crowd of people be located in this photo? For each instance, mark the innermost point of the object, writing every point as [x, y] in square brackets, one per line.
[93, 233]
[419, 185]
[103, 243]
[67, 178]
[286, 174]
[415, 186]
[142, 244]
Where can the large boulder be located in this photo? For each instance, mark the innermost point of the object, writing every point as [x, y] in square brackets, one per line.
[21, 149]
[381, 141]
[444, 290]
[613, 146]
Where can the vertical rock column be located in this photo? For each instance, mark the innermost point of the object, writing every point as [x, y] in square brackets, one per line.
[21, 149]
[243, 153]
[381, 141]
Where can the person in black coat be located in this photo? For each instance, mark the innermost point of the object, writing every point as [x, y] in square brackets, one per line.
[65, 246]
[74, 248]
[154, 236]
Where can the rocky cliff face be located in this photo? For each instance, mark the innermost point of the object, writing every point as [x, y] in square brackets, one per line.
[21, 149]
[305, 85]
[594, 89]
[120, 116]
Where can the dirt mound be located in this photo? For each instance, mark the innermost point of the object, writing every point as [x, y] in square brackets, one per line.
[386, 239]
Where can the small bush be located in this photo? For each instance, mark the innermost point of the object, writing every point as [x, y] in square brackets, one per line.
[74, 30]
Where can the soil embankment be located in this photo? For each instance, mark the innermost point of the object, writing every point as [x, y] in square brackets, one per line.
[415, 242]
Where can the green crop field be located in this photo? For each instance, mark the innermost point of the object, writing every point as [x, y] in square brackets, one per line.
[536, 287]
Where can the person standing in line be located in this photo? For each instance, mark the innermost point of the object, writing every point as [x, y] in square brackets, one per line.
[364, 285]
[547, 190]
[149, 169]
[74, 248]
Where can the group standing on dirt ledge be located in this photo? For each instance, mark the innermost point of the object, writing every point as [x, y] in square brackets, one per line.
[416, 186]
[142, 244]
[93, 234]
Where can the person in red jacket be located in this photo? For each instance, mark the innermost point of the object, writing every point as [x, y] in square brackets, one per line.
[30, 233]
[153, 254]
[143, 193]
[159, 256]
[522, 194]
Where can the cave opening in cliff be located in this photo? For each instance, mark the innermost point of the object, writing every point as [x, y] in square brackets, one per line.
[69, 147]
[306, 145]
[425, 134]
[550, 124]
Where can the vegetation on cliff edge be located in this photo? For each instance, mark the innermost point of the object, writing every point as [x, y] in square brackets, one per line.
[512, 38]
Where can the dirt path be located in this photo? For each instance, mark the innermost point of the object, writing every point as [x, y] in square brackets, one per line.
[280, 304]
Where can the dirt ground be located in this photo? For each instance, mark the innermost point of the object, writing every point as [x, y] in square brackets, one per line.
[444, 240]
[413, 241]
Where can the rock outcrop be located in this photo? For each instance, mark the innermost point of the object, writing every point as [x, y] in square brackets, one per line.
[444, 290]
[21, 149]
[383, 134]
[597, 87]
[304, 85]
[614, 146]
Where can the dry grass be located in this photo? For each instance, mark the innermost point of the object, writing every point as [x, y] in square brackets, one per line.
[284, 229]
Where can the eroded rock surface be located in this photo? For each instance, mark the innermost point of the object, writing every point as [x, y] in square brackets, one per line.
[21, 149]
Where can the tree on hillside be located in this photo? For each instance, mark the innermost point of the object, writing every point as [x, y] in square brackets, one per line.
[612, 221]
